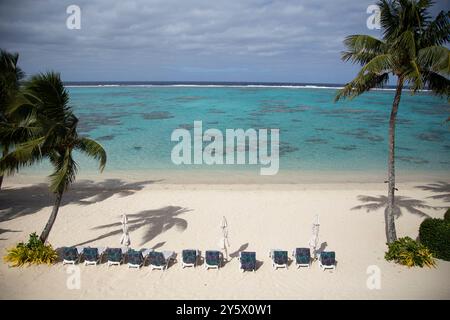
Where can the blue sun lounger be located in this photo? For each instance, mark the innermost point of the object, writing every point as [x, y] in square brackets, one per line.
[114, 256]
[279, 259]
[247, 261]
[189, 258]
[70, 255]
[302, 257]
[213, 259]
[91, 256]
[327, 260]
[135, 259]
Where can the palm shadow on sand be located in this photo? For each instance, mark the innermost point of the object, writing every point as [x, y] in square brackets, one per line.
[7, 230]
[235, 254]
[156, 222]
[441, 187]
[402, 204]
[18, 202]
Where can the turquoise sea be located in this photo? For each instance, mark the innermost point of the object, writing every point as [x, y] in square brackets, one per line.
[134, 123]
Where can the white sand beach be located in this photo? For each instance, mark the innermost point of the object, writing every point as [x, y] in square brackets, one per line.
[260, 217]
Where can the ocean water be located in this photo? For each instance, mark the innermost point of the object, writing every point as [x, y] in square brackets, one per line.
[134, 123]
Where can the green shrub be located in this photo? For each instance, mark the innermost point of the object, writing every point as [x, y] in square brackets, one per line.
[410, 253]
[32, 252]
[447, 215]
[435, 234]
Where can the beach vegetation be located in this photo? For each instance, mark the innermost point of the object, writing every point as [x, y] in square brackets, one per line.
[435, 234]
[406, 251]
[33, 252]
[412, 50]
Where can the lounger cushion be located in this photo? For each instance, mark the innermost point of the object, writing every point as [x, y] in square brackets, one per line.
[189, 256]
[302, 255]
[212, 258]
[70, 254]
[280, 257]
[248, 260]
[156, 258]
[328, 258]
[90, 254]
[114, 254]
[135, 257]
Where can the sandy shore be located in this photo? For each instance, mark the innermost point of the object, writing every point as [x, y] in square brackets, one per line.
[260, 217]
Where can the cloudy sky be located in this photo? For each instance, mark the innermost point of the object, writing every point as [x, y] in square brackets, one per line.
[182, 40]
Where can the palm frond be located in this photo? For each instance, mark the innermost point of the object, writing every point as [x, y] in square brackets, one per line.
[435, 58]
[361, 84]
[23, 155]
[50, 97]
[405, 43]
[437, 83]
[65, 171]
[362, 48]
[93, 149]
[438, 31]
[414, 77]
[379, 65]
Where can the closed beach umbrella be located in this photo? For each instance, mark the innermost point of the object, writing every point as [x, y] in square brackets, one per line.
[314, 241]
[224, 244]
[125, 239]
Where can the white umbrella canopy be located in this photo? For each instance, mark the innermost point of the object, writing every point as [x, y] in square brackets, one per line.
[125, 239]
[223, 243]
[314, 240]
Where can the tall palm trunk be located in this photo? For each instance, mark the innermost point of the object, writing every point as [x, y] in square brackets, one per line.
[51, 220]
[391, 234]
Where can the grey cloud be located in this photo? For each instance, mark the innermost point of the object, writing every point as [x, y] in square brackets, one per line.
[289, 40]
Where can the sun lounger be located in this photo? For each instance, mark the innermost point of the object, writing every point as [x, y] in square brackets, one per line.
[279, 259]
[70, 255]
[213, 259]
[247, 261]
[91, 256]
[327, 260]
[189, 258]
[302, 257]
[135, 259]
[157, 260]
[114, 256]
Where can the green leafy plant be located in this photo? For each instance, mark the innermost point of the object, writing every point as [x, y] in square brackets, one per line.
[447, 215]
[435, 234]
[32, 252]
[408, 252]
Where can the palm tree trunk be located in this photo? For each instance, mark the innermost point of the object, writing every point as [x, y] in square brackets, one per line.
[45, 233]
[391, 234]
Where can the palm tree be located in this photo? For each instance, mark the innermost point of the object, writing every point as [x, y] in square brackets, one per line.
[411, 50]
[10, 75]
[56, 139]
